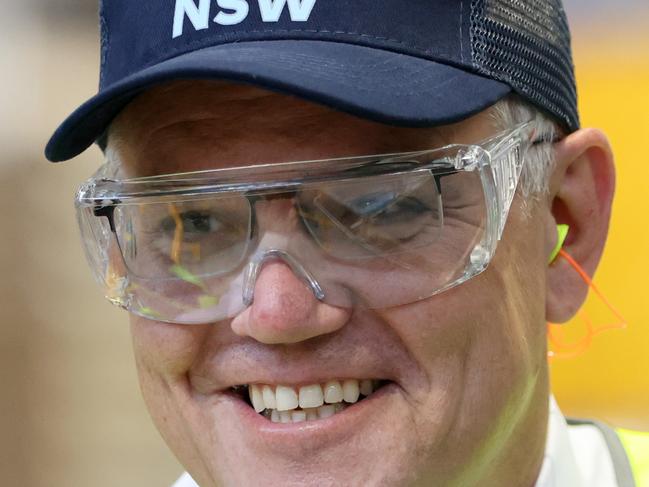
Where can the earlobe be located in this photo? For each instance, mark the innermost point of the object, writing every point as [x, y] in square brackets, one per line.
[581, 195]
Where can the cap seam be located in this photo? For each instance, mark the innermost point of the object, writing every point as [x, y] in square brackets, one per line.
[461, 30]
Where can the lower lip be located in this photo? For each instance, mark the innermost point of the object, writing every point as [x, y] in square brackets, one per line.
[334, 428]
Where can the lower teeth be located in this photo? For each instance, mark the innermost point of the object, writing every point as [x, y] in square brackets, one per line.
[301, 415]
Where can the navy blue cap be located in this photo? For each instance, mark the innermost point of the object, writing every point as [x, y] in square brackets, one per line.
[410, 63]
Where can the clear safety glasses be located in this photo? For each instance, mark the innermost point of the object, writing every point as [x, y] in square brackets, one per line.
[375, 232]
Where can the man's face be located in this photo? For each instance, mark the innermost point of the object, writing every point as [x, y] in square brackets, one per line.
[465, 388]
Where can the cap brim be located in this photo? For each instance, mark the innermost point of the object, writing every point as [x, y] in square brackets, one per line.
[377, 84]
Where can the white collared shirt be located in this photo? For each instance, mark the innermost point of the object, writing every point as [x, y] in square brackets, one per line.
[575, 456]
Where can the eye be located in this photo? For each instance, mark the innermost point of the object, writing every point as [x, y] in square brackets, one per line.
[370, 204]
[195, 223]
[383, 208]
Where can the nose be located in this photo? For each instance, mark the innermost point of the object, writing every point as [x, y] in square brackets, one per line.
[285, 310]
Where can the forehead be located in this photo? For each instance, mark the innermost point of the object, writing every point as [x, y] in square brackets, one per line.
[197, 125]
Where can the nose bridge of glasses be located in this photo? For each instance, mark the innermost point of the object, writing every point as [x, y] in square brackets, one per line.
[283, 222]
[257, 263]
[275, 213]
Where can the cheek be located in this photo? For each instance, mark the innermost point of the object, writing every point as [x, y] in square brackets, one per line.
[488, 333]
[481, 348]
[494, 316]
[509, 311]
[520, 274]
[165, 352]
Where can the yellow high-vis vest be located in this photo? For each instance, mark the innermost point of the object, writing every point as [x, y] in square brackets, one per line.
[629, 452]
[636, 446]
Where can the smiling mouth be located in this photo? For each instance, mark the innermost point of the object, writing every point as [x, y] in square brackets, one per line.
[287, 404]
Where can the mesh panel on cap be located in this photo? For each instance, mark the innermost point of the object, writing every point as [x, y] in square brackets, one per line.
[526, 43]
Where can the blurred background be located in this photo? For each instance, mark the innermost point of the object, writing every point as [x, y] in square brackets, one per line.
[70, 408]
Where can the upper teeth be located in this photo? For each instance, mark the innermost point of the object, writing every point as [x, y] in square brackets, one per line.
[286, 398]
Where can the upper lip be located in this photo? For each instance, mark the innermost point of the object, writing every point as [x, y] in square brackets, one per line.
[291, 377]
[220, 374]
[345, 355]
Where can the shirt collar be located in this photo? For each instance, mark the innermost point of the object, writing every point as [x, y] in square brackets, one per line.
[560, 467]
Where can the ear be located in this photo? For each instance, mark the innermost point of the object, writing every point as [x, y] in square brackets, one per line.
[581, 195]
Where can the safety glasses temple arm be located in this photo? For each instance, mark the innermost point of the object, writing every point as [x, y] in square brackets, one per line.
[107, 211]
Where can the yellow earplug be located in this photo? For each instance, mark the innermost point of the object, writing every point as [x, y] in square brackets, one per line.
[562, 233]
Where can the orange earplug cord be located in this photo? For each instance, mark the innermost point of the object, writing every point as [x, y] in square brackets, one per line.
[572, 350]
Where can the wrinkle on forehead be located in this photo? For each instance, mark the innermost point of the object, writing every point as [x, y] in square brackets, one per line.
[198, 125]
